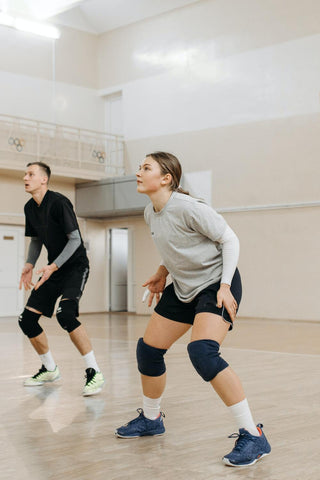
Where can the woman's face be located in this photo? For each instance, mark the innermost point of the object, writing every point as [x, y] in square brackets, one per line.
[149, 177]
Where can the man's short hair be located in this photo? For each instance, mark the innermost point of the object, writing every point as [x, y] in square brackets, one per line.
[43, 167]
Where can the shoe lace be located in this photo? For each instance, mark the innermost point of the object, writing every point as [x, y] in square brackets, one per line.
[134, 420]
[41, 370]
[141, 414]
[242, 440]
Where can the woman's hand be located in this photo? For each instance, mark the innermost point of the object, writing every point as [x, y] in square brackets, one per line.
[226, 299]
[156, 284]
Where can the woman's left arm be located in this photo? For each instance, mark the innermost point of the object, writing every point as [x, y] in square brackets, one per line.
[230, 256]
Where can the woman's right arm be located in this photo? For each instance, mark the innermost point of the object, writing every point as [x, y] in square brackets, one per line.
[156, 284]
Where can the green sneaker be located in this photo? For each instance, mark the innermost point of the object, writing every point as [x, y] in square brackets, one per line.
[43, 376]
[94, 382]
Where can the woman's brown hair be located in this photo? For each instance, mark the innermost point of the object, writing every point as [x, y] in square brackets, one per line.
[168, 163]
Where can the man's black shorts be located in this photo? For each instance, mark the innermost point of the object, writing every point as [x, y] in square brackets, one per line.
[68, 281]
[172, 308]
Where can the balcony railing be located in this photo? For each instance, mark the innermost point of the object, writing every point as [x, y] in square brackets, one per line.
[71, 152]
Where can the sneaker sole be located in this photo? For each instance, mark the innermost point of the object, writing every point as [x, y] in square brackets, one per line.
[41, 383]
[89, 394]
[227, 462]
[138, 436]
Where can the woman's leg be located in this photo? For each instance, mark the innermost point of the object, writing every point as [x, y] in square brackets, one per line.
[209, 326]
[208, 333]
[226, 383]
[160, 333]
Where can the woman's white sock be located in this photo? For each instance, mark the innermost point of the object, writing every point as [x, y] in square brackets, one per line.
[151, 407]
[242, 415]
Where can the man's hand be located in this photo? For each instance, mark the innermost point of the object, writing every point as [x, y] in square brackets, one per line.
[46, 273]
[226, 299]
[156, 284]
[26, 277]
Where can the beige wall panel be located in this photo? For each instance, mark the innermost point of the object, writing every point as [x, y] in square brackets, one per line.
[227, 27]
[94, 296]
[13, 197]
[12, 194]
[279, 262]
[259, 163]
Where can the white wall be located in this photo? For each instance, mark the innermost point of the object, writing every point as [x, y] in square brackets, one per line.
[39, 99]
[53, 81]
[202, 91]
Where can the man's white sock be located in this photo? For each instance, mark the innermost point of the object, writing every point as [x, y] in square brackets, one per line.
[90, 361]
[242, 415]
[47, 361]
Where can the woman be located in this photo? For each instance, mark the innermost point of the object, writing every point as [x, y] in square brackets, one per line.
[200, 251]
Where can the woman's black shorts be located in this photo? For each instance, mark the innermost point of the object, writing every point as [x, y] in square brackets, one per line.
[172, 308]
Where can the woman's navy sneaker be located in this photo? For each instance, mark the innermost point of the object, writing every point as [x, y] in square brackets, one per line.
[248, 448]
[141, 427]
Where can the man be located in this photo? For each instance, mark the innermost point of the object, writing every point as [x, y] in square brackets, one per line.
[51, 221]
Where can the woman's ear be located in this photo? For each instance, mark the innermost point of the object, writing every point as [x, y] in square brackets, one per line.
[166, 180]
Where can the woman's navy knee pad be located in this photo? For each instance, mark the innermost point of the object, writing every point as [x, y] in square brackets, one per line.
[28, 322]
[205, 357]
[150, 359]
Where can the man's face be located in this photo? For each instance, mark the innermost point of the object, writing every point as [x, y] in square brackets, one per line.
[34, 179]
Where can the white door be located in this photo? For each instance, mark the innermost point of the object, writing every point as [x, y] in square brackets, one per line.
[118, 269]
[11, 264]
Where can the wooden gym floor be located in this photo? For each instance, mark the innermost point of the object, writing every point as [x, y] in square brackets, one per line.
[52, 432]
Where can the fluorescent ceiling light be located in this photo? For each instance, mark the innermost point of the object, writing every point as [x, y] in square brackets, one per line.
[6, 20]
[37, 28]
[41, 29]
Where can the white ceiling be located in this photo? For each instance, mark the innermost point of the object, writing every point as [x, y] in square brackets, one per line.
[94, 16]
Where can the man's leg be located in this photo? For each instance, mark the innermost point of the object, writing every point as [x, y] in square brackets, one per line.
[49, 371]
[81, 340]
[67, 313]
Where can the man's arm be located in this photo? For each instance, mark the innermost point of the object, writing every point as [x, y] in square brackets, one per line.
[34, 250]
[74, 241]
[71, 246]
[33, 255]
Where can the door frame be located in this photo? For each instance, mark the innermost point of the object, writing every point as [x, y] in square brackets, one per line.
[131, 304]
[21, 261]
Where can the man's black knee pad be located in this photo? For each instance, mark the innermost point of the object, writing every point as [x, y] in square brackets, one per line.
[28, 322]
[67, 313]
[150, 359]
[205, 357]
